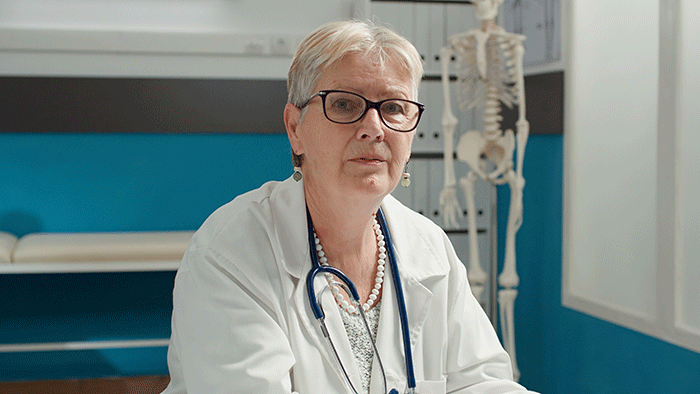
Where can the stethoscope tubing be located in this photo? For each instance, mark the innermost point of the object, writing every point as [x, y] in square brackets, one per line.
[398, 289]
[315, 307]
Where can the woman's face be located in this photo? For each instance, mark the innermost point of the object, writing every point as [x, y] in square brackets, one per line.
[364, 159]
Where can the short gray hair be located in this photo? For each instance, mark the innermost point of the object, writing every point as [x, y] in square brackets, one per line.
[330, 42]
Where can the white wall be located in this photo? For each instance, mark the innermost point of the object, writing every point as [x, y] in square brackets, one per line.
[146, 38]
[242, 16]
[688, 214]
[611, 152]
[632, 174]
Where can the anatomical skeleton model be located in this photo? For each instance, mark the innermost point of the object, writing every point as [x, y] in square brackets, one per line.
[489, 72]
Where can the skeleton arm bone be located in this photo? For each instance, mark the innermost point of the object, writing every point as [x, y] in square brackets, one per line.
[522, 125]
[477, 276]
[449, 121]
[448, 197]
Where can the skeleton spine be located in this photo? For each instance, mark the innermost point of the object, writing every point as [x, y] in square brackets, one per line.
[492, 113]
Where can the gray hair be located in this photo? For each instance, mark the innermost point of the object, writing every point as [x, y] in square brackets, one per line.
[329, 43]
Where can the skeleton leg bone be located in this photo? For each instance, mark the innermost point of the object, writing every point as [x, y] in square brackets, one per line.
[506, 303]
[523, 131]
[509, 276]
[508, 279]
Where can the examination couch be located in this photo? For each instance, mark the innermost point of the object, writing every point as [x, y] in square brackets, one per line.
[93, 252]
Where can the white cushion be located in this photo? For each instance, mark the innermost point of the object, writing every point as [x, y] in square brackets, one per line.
[7, 244]
[97, 247]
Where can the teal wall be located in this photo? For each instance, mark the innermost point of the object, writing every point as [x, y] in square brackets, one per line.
[111, 182]
[126, 182]
[560, 350]
[122, 182]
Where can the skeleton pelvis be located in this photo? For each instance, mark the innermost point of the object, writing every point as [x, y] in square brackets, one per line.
[475, 150]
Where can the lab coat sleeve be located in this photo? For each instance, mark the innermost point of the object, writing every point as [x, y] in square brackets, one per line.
[227, 335]
[477, 363]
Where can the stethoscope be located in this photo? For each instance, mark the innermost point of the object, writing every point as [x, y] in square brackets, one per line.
[350, 289]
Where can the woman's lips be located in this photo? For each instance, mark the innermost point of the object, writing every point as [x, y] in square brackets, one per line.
[368, 161]
[369, 158]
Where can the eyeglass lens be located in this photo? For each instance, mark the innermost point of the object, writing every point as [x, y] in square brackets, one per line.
[346, 107]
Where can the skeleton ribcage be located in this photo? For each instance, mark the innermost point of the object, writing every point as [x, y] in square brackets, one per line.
[499, 82]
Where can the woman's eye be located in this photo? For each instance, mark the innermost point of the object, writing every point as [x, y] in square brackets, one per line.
[393, 108]
[344, 105]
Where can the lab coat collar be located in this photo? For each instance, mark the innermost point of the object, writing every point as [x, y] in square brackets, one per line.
[289, 216]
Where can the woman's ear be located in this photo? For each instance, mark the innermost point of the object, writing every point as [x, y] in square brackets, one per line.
[292, 118]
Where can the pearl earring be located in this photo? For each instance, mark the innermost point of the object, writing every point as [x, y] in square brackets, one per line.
[406, 177]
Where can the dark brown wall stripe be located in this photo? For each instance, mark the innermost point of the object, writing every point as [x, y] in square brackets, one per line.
[54, 104]
[103, 105]
[544, 102]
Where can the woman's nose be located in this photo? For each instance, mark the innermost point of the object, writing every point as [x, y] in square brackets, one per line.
[371, 126]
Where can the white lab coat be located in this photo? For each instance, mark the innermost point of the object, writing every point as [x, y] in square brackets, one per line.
[242, 322]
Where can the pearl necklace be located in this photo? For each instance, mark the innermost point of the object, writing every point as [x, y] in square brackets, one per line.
[335, 289]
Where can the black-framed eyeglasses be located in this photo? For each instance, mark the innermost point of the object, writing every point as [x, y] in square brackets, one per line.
[344, 107]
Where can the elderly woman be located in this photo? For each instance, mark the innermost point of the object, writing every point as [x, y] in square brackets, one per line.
[245, 315]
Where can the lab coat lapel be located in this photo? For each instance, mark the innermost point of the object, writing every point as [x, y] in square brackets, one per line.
[416, 262]
[335, 327]
[292, 234]
[341, 341]
[389, 335]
